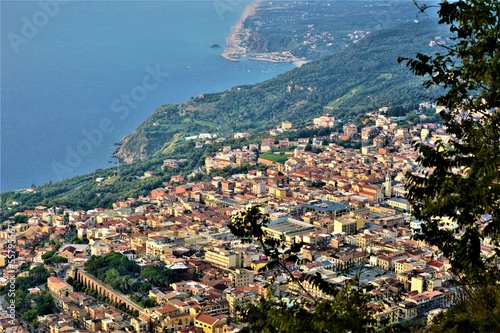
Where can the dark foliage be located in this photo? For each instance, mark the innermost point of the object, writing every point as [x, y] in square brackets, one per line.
[30, 305]
[460, 179]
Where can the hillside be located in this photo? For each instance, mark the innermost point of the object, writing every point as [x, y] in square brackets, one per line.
[364, 76]
[319, 28]
[361, 78]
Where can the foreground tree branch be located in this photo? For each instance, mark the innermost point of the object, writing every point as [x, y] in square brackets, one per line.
[459, 180]
[345, 310]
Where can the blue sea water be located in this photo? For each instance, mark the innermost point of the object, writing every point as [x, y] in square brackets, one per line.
[62, 80]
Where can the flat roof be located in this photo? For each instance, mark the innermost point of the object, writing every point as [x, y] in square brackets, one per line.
[400, 200]
[288, 225]
[326, 206]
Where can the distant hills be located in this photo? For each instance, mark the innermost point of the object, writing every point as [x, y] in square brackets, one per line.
[313, 29]
[364, 76]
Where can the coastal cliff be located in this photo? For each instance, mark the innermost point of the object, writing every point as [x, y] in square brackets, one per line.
[363, 77]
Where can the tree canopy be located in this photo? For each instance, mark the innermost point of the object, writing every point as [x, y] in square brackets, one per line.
[455, 190]
[30, 305]
[344, 309]
[459, 178]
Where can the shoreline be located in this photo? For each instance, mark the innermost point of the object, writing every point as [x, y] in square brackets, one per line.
[234, 50]
[275, 58]
[228, 58]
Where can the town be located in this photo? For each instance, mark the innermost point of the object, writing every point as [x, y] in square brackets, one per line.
[167, 261]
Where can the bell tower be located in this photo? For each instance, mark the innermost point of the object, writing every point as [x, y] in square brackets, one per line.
[388, 185]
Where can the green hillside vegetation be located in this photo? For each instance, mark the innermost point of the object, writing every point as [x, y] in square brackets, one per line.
[365, 66]
[319, 28]
[363, 77]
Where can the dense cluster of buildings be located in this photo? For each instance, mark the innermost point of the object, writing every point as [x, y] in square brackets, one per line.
[357, 218]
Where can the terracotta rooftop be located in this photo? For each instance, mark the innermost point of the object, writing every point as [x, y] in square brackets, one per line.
[206, 319]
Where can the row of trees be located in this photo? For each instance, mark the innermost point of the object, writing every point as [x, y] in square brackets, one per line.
[126, 276]
[78, 286]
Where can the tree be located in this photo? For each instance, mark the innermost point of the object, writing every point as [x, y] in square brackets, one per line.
[110, 276]
[38, 275]
[158, 275]
[21, 218]
[465, 317]
[148, 302]
[459, 179]
[55, 260]
[345, 310]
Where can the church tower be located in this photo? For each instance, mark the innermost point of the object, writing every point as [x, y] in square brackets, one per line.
[388, 185]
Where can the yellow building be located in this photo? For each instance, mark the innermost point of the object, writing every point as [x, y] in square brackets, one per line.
[280, 193]
[208, 323]
[108, 325]
[176, 322]
[59, 287]
[223, 258]
[241, 277]
[158, 249]
[286, 125]
[364, 241]
[349, 225]
[139, 325]
[324, 121]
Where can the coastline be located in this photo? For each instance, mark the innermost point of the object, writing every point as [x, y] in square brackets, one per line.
[25, 169]
[228, 58]
[234, 48]
[279, 58]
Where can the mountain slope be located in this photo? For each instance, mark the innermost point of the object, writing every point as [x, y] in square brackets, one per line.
[363, 77]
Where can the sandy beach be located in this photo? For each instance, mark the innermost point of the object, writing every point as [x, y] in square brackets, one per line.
[233, 47]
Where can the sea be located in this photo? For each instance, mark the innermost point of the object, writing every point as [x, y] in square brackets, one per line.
[67, 66]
